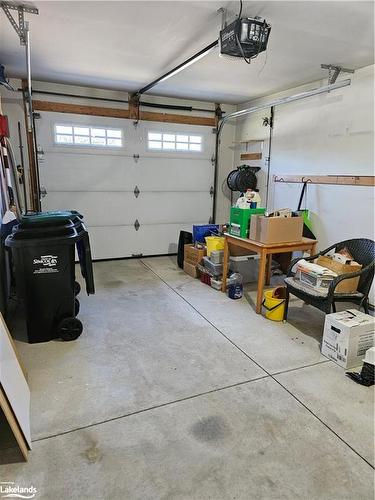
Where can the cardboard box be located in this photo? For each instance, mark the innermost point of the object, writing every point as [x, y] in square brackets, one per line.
[190, 269]
[276, 229]
[347, 336]
[346, 286]
[193, 255]
[254, 231]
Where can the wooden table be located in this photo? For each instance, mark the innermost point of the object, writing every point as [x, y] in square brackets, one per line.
[265, 250]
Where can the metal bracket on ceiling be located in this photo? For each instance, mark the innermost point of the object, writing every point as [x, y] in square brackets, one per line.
[20, 28]
[334, 71]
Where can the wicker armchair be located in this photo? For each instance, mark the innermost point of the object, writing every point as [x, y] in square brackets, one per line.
[363, 252]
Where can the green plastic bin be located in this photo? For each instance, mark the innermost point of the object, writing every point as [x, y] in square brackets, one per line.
[240, 220]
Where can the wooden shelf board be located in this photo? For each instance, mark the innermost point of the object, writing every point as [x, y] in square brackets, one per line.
[343, 180]
[251, 156]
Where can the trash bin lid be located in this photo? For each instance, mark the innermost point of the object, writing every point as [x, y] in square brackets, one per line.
[55, 218]
[57, 235]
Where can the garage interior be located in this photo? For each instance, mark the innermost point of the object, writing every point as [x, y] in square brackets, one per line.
[139, 118]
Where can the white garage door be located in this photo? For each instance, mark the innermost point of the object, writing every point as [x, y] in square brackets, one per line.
[137, 187]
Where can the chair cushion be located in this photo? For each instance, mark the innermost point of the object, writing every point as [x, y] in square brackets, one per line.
[309, 290]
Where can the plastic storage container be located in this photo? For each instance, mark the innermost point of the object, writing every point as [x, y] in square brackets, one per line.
[43, 247]
[246, 265]
[214, 243]
[240, 220]
[203, 230]
[215, 269]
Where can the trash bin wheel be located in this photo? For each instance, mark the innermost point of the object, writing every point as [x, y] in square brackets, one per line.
[76, 307]
[77, 288]
[70, 329]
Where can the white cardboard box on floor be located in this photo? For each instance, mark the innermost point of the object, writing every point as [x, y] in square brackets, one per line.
[347, 336]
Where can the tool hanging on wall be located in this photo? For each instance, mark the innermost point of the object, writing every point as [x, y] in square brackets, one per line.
[305, 214]
[11, 177]
[243, 178]
[21, 168]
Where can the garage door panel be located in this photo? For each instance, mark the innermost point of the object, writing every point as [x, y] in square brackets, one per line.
[123, 208]
[124, 241]
[111, 242]
[77, 172]
[159, 208]
[174, 174]
[99, 209]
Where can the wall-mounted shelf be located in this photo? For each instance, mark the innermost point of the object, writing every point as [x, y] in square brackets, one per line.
[248, 144]
[344, 180]
[251, 156]
[249, 141]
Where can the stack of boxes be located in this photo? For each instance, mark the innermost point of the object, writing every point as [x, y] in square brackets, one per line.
[213, 267]
[208, 268]
[193, 256]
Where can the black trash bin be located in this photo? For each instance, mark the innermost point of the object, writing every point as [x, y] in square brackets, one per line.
[43, 249]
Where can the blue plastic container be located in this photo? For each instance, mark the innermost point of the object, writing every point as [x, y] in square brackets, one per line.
[201, 231]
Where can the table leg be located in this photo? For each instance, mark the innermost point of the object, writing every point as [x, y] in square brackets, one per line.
[269, 268]
[225, 266]
[313, 249]
[261, 279]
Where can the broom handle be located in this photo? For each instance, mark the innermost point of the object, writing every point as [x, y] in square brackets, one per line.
[301, 197]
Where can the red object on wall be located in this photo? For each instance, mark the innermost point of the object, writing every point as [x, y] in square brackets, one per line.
[4, 126]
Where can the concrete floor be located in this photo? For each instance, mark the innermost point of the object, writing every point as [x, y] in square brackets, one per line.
[174, 391]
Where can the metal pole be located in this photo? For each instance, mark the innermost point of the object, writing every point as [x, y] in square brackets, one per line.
[179, 68]
[284, 100]
[275, 102]
[30, 115]
[28, 71]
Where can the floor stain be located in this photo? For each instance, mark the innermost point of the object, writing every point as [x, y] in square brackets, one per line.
[210, 429]
[92, 454]
[114, 283]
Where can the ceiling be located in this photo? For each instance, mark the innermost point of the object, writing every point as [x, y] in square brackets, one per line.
[125, 45]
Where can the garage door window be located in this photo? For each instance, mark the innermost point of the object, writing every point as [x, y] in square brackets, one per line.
[159, 141]
[80, 135]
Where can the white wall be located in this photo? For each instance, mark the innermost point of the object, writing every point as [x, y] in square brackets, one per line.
[326, 134]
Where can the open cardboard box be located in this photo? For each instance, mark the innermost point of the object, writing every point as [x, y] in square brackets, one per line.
[276, 229]
[346, 286]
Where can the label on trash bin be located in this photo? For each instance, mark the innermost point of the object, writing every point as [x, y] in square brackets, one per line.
[49, 263]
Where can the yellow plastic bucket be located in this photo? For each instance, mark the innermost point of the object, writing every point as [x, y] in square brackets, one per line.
[214, 243]
[274, 306]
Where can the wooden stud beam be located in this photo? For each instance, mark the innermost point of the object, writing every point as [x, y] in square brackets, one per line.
[59, 107]
[251, 156]
[33, 175]
[78, 109]
[344, 180]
